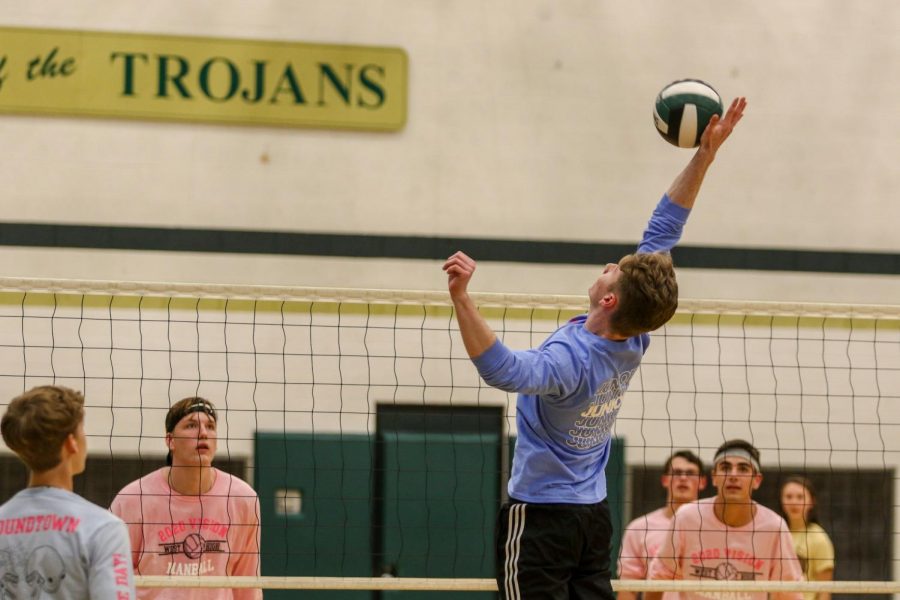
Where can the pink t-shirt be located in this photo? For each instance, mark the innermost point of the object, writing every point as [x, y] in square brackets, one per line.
[701, 547]
[641, 541]
[214, 534]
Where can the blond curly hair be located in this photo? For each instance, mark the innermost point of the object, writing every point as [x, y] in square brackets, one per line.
[647, 293]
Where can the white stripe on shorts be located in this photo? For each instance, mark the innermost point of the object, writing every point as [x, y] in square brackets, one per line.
[515, 528]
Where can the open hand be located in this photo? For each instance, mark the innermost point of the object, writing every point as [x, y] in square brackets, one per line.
[720, 128]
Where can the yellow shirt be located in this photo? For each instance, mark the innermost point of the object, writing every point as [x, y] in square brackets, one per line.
[815, 551]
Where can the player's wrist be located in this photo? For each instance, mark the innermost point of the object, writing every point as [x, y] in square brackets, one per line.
[705, 155]
[460, 297]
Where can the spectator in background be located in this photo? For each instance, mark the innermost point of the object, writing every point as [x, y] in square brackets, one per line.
[189, 518]
[729, 536]
[683, 479]
[811, 543]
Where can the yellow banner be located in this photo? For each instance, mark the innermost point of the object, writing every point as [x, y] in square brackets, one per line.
[87, 73]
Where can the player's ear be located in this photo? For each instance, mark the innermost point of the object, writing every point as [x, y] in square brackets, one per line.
[609, 300]
[757, 481]
[70, 445]
[169, 440]
[703, 481]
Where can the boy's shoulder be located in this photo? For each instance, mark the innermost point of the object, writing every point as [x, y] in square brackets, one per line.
[234, 486]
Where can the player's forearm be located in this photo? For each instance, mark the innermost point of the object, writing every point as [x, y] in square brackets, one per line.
[247, 565]
[246, 594]
[686, 186]
[477, 335]
[626, 595]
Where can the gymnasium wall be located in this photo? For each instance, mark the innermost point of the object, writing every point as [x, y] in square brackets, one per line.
[528, 120]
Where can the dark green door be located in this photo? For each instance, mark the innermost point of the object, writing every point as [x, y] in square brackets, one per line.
[324, 527]
[439, 493]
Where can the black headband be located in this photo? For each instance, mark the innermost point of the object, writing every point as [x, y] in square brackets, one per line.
[198, 405]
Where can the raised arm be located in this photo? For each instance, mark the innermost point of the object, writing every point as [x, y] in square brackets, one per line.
[551, 370]
[667, 222]
[477, 335]
[686, 186]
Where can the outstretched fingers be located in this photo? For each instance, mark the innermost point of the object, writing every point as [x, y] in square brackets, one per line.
[736, 111]
[719, 128]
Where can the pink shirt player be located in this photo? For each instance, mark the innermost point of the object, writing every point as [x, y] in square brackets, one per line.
[699, 546]
[728, 537]
[190, 519]
[213, 534]
[683, 479]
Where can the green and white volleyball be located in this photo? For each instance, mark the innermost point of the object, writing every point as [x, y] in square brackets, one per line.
[683, 110]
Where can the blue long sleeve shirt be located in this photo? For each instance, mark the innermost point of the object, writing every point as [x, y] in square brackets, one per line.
[570, 392]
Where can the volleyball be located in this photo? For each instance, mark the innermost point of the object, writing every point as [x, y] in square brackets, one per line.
[683, 109]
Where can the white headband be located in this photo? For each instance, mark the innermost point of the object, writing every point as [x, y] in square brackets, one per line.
[739, 453]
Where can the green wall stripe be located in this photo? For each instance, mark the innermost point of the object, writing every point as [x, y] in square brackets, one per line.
[430, 248]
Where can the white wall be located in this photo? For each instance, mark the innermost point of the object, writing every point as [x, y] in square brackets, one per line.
[528, 119]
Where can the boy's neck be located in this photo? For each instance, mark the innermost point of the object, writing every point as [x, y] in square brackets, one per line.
[734, 514]
[191, 480]
[58, 477]
[597, 322]
[672, 506]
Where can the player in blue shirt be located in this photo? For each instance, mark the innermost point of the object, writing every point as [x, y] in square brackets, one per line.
[553, 537]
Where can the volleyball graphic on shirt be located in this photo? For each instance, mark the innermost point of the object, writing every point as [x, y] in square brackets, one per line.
[727, 572]
[193, 545]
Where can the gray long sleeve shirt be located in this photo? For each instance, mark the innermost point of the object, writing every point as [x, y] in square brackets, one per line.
[55, 544]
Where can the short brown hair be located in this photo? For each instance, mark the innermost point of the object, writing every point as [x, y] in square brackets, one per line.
[37, 423]
[686, 455]
[647, 293]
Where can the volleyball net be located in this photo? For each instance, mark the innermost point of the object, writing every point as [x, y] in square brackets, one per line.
[379, 456]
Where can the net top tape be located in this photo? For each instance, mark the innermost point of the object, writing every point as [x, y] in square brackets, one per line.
[471, 585]
[421, 297]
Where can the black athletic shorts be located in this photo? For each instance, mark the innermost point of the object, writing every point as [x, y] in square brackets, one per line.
[554, 551]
